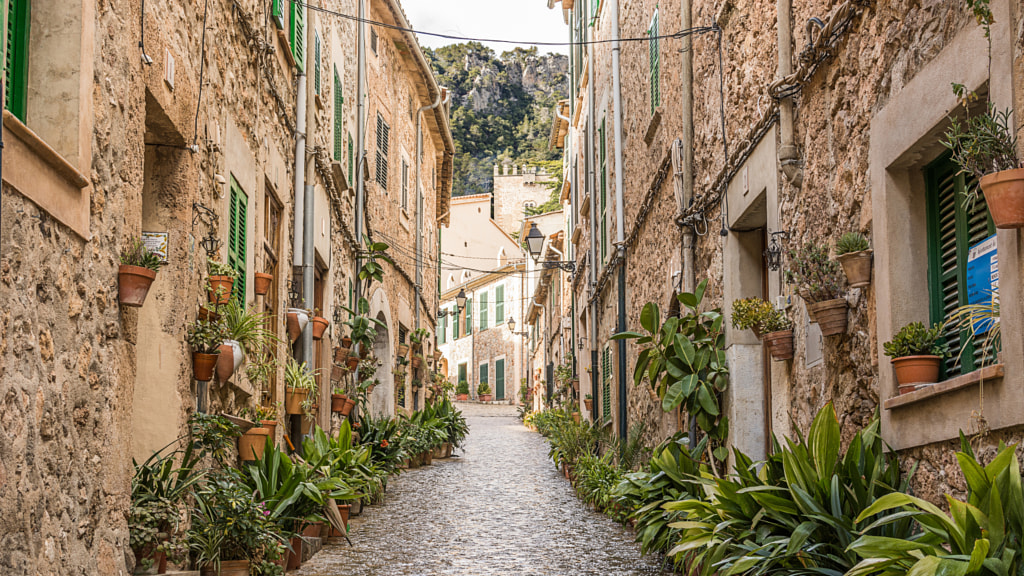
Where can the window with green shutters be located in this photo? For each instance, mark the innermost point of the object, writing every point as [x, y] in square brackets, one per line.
[339, 128]
[469, 316]
[236, 237]
[351, 159]
[654, 61]
[954, 226]
[603, 169]
[316, 63]
[383, 146]
[499, 304]
[277, 14]
[483, 374]
[405, 185]
[297, 34]
[606, 383]
[351, 295]
[499, 379]
[456, 327]
[483, 310]
[16, 58]
[442, 329]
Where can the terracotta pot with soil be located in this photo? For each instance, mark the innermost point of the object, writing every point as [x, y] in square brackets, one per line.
[1004, 194]
[341, 354]
[293, 399]
[857, 266]
[220, 289]
[271, 426]
[589, 403]
[261, 283]
[203, 365]
[338, 402]
[133, 284]
[252, 443]
[349, 405]
[297, 318]
[486, 397]
[461, 397]
[230, 360]
[912, 371]
[320, 325]
[227, 568]
[780, 344]
[830, 316]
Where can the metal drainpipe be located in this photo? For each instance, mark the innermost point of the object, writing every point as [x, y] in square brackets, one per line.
[301, 223]
[360, 136]
[789, 156]
[419, 206]
[591, 161]
[620, 234]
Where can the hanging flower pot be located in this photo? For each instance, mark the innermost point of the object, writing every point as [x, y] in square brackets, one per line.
[261, 283]
[403, 349]
[207, 315]
[830, 316]
[576, 385]
[341, 354]
[857, 266]
[305, 424]
[416, 362]
[437, 355]
[297, 320]
[252, 443]
[349, 405]
[203, 365]
[320, 325]
[338, 402]
[133, 284]
[230, 360]
[370, 388]
[220, 289]
[780, 344]
[271, 426]
[1004, 194]
[293, 399]
[351, 362]
[227, 568]
[364, 351]
[337, 372]
[913, 371]
[589, 403]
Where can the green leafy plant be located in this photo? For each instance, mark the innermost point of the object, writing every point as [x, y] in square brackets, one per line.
[258, 413]
[851, 242]
[260, 368]
[136, 254]
[983, 143]
[462, 388]
[776, 321]
[916, 340]
[418, 336]
[483, 388]
[976, 319]
[300, 377]
[217, 268]
[214, 433]
[816, 276]
[749, 313]
[206, 336]
[248, 328]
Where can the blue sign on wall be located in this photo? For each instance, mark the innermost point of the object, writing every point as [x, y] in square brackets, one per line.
[982, 276]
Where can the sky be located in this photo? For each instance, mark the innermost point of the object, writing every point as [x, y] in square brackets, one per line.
[528, 20]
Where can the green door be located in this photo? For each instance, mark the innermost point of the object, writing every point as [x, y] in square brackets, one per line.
[462, 372]
[499, 379]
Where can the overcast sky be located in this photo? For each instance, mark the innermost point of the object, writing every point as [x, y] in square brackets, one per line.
[528, 20]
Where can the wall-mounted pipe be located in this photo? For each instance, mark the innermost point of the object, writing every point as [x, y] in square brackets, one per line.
[419, 203]
[620, 228]
[789, 155]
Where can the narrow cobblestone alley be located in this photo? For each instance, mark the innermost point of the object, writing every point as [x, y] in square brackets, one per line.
[500, 508]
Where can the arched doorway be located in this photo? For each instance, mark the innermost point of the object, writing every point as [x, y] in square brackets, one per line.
[382, 401]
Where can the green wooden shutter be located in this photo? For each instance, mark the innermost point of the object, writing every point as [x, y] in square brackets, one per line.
[383, 146]
[655, 63]
[236, 237]
[602, 166]
[351, 295]
[606, 383]
[456, 328]
[483, 310]
[405, 185]
[469, 316]
[276, 14]
[297, 20]
[482, 375]
[339, 136]
[953, 227]
[499, 304]
[351, 160]
[16, 58]
[316, 63]
[499, 379]
[442, 329]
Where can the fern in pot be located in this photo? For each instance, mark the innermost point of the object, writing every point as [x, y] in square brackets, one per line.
[917, 353]
[854, 254]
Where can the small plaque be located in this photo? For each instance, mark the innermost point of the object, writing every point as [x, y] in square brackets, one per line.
[156, 242]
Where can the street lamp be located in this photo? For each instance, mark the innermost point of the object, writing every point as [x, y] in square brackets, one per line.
[511, 322]
[460, 300]
[535, 241]
[773, 253]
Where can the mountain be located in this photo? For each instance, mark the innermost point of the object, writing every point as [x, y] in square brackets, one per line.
[502, 107]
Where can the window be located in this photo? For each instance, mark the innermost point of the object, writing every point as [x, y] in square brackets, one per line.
[499, 304]
[316, 63]
[405, 185]
[953, 228]
[499, 379]
[469, 316]
[236, 237]
[603, 168]
[456, 324]
[606, 383]
[339, 136]
[373, 40]
[403, 334]
[351, 159]
[383, 133]
[462, 374]
[277, 14]
[654, 61]
[297, 34]
[16, 58]
[484, 373]
[271, 244]
[483, 310]
[442, 328]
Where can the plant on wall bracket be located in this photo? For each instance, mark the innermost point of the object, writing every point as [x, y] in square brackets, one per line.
[683, 360]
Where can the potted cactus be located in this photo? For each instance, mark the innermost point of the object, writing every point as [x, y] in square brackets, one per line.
[136, 273]
[816, 278]
[917, 353]
[854, 255]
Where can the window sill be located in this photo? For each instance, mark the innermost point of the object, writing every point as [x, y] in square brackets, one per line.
[282, 37]
[584, 207]
[988, 373]
[42, 175]
[652, 126]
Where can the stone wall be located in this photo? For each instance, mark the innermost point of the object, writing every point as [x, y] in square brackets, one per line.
[515, 188]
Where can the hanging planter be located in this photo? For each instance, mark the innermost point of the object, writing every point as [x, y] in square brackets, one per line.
[337, 373]
[293, 399]
[229, 360]
[589, 403]
[207, 315]
[220, 289]
[347, 409]
[271, 426]
[133, 284]
[306, 424]
[341, 354]
[261, 283]
[297, 320]
[320, 325]
[252, 443]
[403, 349]
[437, 355]
[857, 267]
[338, 402]
[830, 316]
[416, 362]
[780, 344]
[351, 362]
[1004, 194]
[203, 366]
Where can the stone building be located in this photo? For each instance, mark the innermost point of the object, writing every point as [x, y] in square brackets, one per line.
[516, 189]
[182, 123]
[823, 134]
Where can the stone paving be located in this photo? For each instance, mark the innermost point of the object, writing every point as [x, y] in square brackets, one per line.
[500, 508]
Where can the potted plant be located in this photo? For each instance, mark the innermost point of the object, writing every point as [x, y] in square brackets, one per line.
[588, 401]
[320, 325]
[403, 350]
[417, 384]
[854, 255]
[266, 417]
[261, 283]
[252, 442]
[205, 339]
[749, 314]
[339, 400]
[917, 354]
[246, 333]
[778, 334]
[136, 273]
[417, 338]
[220, 281]
[462, 391]
[984, 146]
[483, 392]
[296, 320]
[816, 278]
[300, 387]
[417, 360]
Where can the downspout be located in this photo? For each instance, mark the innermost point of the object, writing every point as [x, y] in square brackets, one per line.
[789, 155]
[419, 205]
[595, 367]
[360, 138]
[620, 234]
[303, 231]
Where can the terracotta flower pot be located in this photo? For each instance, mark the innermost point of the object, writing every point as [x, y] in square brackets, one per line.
[403, 349]
[1004, 194]
[416, 362]
[261, 283]
[857, 266]
[337, 373]
[297, 320]
[486, 397]
[576, 417]
[913, 370]
[346, 342]
[589, 403]
[203, 365]
[341, 354]
[230, 360]
[252, 443]
[227, 568]
[427, 458]
[338, 402]
[320, 325]
[311, 530]
[461, 397]
[780, 344]
[133, 284]
[345, 510]
[349, 405]
[207, 315]
[293, 399]
[294, 555]
[830, 315]
[271, 426]
[306, 425]
[351, 362]
[220, 289]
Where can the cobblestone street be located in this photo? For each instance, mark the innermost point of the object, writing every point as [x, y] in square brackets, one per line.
[499, 508]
